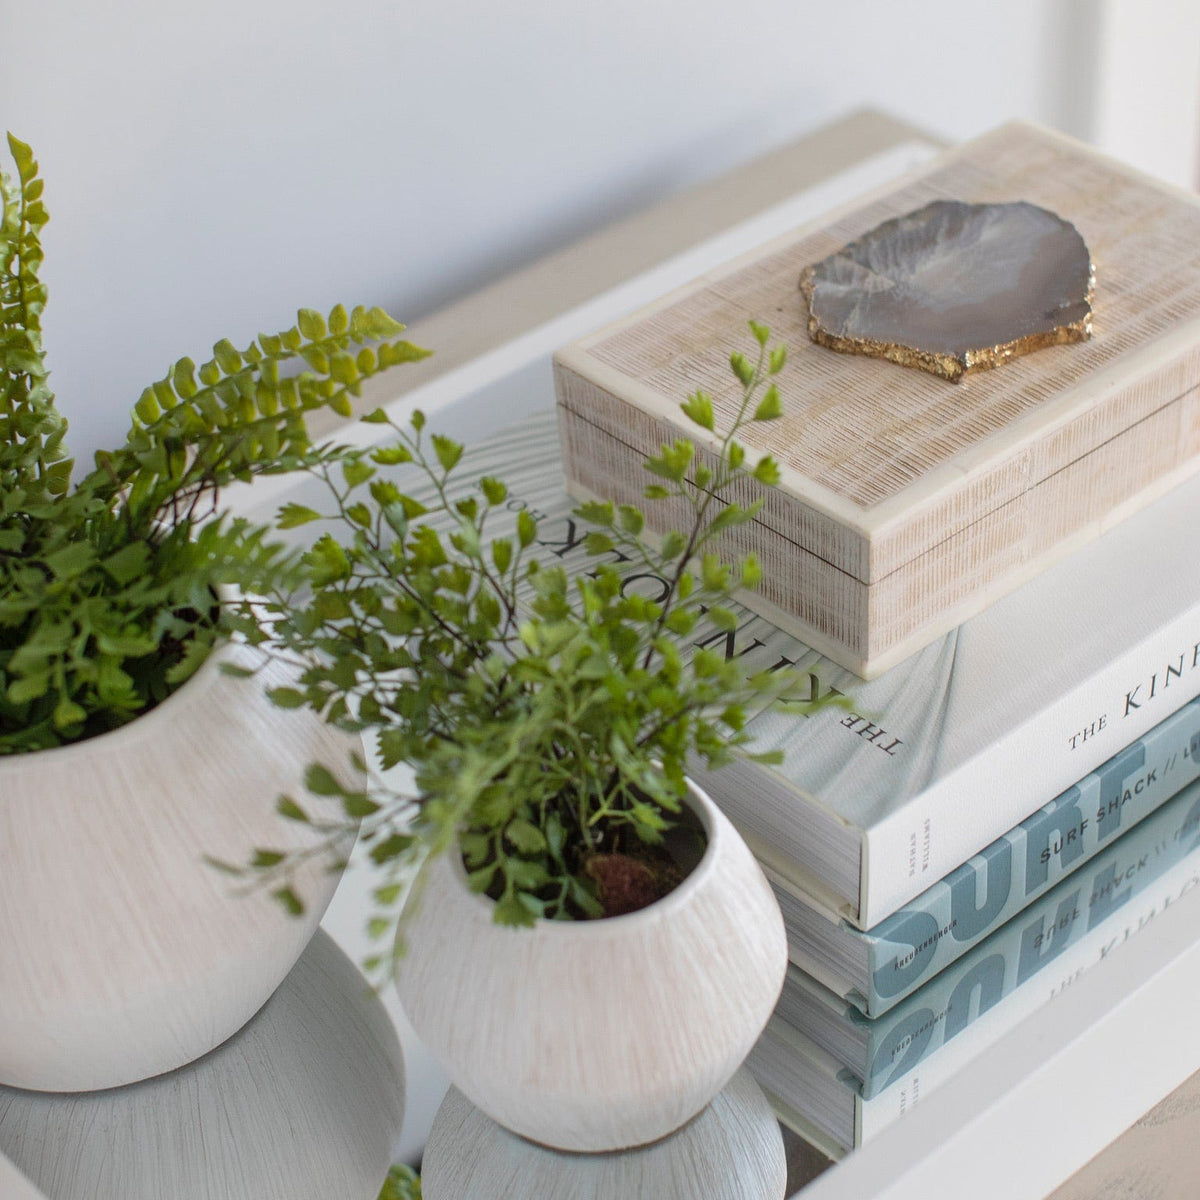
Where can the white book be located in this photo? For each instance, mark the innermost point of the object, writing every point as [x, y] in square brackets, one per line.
[950, 749]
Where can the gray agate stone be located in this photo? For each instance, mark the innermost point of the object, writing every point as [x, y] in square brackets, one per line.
[954, 287]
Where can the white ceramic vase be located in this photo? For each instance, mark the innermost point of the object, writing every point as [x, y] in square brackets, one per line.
[598, 1035]
[305, 1103]
[122, 953]
[732, 1151]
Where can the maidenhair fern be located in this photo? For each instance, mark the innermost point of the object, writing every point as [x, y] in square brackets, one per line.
[109, 585]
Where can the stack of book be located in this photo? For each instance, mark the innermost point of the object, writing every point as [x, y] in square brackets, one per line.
[1080, 687]
[1083, 686]
[1013, 790]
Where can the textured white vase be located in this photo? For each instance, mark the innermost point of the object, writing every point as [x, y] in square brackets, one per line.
[122, 953]
[598, 1035]
[732, 1151]
[304, 1103]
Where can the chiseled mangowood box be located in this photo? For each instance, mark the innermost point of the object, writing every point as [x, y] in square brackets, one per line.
[909, 503]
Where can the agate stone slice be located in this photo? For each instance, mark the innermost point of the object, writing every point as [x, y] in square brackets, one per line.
[954, 287]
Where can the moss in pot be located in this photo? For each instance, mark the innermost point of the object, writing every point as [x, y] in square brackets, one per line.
[547, 720]
[121, 954]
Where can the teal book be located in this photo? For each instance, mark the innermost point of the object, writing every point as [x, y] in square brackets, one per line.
[839, 1078]
[875, 969]
[1016, 966]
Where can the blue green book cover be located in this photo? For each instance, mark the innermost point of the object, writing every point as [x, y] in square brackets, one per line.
[903, 952]
[1018, 967]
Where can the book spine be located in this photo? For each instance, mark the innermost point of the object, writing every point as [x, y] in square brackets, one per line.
[956, 913]
[969, 807]
[883, 1107]
[1031, 958]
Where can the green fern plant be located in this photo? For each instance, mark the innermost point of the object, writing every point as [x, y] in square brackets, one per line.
[110, 583]
[548, 717]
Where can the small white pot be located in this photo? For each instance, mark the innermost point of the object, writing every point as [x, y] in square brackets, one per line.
[598, 1035]
[122, 953]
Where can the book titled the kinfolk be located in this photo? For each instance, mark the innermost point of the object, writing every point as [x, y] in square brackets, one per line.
[950, 749]
[839, 1078]
[875, 969]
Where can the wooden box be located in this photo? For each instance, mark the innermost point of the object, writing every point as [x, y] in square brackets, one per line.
[910, 503]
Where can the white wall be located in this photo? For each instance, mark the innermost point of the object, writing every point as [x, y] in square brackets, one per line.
[211, 166]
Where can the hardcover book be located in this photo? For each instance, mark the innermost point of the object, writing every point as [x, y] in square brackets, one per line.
[909, 503]
[1022, 960]
[953, 747]
[937, 1032]
[875, 969]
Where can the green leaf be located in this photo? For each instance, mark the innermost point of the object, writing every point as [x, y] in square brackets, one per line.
[723, 618]
[126, 564]
[287, 807]
[510, 911]
[448, 451]
[311, 324]
[526, 529]
[596, 512]
[769, 407]
[291, 515]
[339, 320]
[290, 901]
[390, 456]
[71, 560]
[379, 324]
[375, 417]
[27, 687]
[286, 697]
[672, 546]
[632, 519]
[183, 378]
[698, 407]
[742, 368]
[767, 471]
[23, 157]
[357, 805]
[494, 491]
[147, 408]
[762, 334]
[777, 360]
[713, 574]
[751, 571]
[267, 858]
[390, 848]
[68, 714]
[525, 836]
[320, 781]
[344, 369]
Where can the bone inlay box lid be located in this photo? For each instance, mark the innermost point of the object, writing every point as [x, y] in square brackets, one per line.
[908, 502]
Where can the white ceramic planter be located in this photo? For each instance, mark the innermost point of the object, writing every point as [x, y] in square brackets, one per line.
[732, 1151]
[122, 953]
[305, 1103]
[598, 1035]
